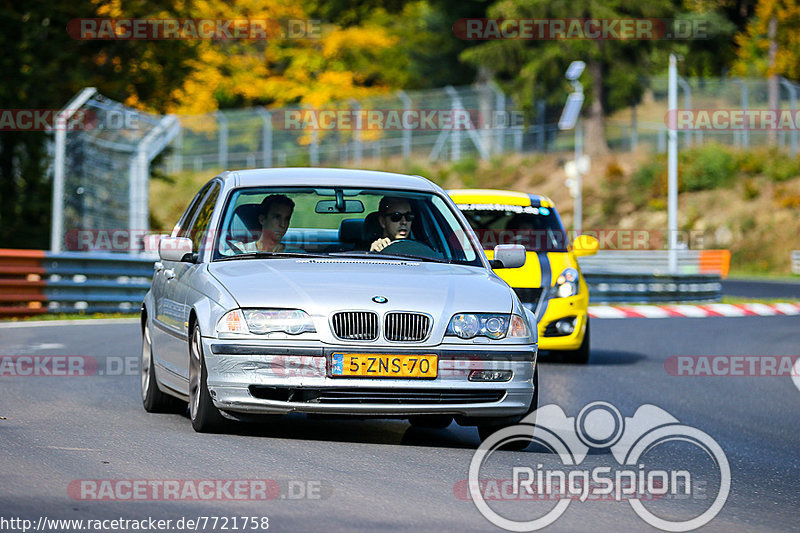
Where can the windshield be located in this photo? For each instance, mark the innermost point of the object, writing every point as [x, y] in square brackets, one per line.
[384, 224]
[539, 229]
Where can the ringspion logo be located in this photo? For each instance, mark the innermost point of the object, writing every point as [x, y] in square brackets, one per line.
[636, 476]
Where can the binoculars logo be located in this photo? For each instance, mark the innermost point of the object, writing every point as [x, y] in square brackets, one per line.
[600, 426]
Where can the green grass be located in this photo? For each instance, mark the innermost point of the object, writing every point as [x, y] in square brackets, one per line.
[740, 300]
[760, 275]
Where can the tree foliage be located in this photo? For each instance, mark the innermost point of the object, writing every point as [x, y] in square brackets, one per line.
[363, 48]
[753, 53]
[534, 69]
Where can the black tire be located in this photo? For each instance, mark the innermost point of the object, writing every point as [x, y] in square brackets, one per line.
[431, 421]
[153, 400]
[205, 417]
[487, 430]
[581, 355]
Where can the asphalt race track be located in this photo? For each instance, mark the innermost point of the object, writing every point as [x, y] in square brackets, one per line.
[761, 289]
[346, 475]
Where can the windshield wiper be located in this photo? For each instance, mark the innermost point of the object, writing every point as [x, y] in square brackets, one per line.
[377, 255]
[263, 255]
[418, 257]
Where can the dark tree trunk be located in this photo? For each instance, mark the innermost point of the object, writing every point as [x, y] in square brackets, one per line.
[595, 133]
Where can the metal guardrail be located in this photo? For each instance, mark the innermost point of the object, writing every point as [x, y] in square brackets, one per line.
[35, 282]
[657, 262]
[652, 288]
[643, 276]
[21, 283]
[96, 283]
[796, 262]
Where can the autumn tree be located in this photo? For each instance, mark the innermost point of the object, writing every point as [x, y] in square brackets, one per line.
[534, 69]
[770, 46]
[42, 67]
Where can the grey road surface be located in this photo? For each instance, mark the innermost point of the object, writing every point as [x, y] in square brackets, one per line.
[752, 288]
[382, 475]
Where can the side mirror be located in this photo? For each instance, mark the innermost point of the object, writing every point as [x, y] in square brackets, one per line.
[175, 249]
[585, 245]
[508, 256]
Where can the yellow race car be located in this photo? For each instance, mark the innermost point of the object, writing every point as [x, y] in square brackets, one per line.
[550, 283]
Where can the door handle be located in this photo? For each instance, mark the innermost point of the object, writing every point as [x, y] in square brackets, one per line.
[158, 266]
[169, 273]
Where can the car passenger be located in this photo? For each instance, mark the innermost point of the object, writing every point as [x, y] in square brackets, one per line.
[275, 212]
[395, 217]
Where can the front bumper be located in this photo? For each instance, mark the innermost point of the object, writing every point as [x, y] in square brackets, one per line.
[280, 378]
[555, 309]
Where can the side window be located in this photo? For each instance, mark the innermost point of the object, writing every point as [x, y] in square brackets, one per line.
[201, 221]
[184, 224]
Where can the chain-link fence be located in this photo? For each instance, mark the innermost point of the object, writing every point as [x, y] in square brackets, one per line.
[448, 123]
[101, 170]
[301, 136]
[103, 150]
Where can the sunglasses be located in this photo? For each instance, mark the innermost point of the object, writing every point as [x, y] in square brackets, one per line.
[396, 216]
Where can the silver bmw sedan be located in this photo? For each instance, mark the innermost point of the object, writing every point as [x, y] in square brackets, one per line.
[332, 291]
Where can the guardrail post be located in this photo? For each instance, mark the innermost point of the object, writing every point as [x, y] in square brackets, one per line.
[406, 131]
[455, 133]
[358, 146]
[744, 136]
[222, 146]
[793, 102]
[541, 127]
[177, 153]
[313, 148]
[59, 165]
[687, 104]
[266, 136]
[500, 104]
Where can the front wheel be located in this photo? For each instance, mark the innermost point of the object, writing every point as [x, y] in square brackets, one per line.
[153, 400]
[205, 417]
[487, 430]
[581, 355]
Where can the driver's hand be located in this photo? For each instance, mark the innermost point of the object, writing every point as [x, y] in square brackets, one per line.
[380, 244]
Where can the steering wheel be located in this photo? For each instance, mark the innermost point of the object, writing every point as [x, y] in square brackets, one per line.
[410, 247]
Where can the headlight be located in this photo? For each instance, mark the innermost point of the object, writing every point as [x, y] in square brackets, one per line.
[494, 326]
[519, 327]
[263, 321]
[232, 322]
[465, 326]
[566, 284]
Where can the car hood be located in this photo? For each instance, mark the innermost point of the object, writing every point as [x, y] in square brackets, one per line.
[321, 286]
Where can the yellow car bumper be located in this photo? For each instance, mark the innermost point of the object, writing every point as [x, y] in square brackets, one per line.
[571, 310]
